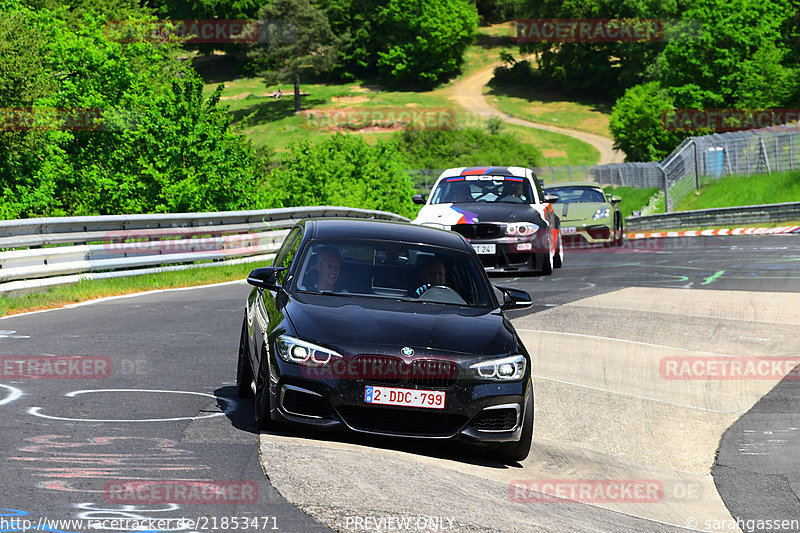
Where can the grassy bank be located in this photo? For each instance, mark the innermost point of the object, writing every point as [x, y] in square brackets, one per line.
[733, 191]
[542, 107]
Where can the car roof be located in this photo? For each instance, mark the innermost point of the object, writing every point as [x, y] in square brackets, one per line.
[354, 228]
[519, 172]
[573, 184]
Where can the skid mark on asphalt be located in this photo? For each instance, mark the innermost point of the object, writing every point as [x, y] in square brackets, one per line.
[63, 460]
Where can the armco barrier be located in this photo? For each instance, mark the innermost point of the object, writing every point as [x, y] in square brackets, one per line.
[720, 216]
[42, 252]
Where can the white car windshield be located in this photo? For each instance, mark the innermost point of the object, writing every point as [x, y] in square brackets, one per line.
[487, 189]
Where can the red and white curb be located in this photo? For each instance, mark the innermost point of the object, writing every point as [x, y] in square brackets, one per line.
[782, 230]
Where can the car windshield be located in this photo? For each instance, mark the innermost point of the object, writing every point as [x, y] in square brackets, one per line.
[392, 269]
[577, 194]
[490, 189]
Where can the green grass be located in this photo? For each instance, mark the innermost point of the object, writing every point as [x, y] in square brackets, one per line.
[272, 122]
[490, 41]
[546, 108]
[732, 191]
[557, 149]
[633, 199]
[91, 289]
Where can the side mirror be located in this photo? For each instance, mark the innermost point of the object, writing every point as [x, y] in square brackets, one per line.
[550, 197]
[514, 298]
[615, 199]
[419, 199]
[265, 278]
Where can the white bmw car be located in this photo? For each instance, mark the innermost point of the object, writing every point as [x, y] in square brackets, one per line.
[502, 211]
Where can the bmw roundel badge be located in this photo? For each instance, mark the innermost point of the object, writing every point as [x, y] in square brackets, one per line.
[408, 352]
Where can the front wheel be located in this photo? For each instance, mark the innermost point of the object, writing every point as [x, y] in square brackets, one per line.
[547, 261]
[244, 373]
[558, 259]
[514, 452]
[263, 396]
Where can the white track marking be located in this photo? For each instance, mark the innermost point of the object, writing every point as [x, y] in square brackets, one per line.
[13, 394]
[36, 411]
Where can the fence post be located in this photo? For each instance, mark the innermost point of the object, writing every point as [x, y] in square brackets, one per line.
[696, 165]
[666, 188]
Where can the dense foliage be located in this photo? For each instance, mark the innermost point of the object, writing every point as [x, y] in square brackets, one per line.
[342, 170]
[716, 54]
[468, 147]
[402, 41]
[118, 127]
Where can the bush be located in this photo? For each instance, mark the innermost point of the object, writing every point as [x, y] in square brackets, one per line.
[342, 170]
[637, 123]
[466, 147]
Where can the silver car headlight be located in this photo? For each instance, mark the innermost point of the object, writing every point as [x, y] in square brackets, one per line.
[297, 351]
[505, 369]
[603, 212]
[521, 229]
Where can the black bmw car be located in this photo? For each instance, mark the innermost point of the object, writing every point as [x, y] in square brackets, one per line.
[386, 328]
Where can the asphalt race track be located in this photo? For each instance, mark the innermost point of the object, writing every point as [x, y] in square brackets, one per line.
[613, 335]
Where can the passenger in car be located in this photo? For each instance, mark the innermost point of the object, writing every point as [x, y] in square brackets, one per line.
[327, 264]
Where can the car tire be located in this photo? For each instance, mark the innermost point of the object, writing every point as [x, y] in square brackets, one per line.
[619, 234]
[558, 259]
[263, 401]
[547, 260]
[244, 372]
[514, 452]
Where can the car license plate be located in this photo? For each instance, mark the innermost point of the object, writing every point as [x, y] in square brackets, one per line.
[484, 248]
[404, 397]
[569, 230]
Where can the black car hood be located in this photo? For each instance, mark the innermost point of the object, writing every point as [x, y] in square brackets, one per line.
[499, 212]
[354, 325]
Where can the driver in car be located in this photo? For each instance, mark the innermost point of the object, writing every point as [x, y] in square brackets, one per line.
[327, 265]
[433, 273]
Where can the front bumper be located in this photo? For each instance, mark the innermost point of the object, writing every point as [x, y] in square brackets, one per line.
[474, 410]
[575, 233]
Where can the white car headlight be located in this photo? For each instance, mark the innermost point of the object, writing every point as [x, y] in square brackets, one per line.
[294, 350]
[603, 212]
[435, 225]
[521, 229]
[505, 369]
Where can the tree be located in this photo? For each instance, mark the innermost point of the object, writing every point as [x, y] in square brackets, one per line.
[598, 68]
[424, 41]
[402, 41]
[307, 43]
[730, 53]
[637, 123]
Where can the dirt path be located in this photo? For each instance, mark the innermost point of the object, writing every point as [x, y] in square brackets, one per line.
[469, 94]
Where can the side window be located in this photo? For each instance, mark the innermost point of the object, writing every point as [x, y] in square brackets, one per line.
[286, 254]
[537, 188]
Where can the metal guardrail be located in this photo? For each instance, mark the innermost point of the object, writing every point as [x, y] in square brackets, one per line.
[44, 252]
[720, 216]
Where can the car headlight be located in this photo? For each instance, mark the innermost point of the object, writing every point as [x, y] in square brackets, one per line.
[301, 352]
[435, 225]
[505, 369]
[603, 212]
[521, 229]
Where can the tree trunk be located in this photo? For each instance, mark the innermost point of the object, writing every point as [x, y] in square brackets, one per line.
[296, 92]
